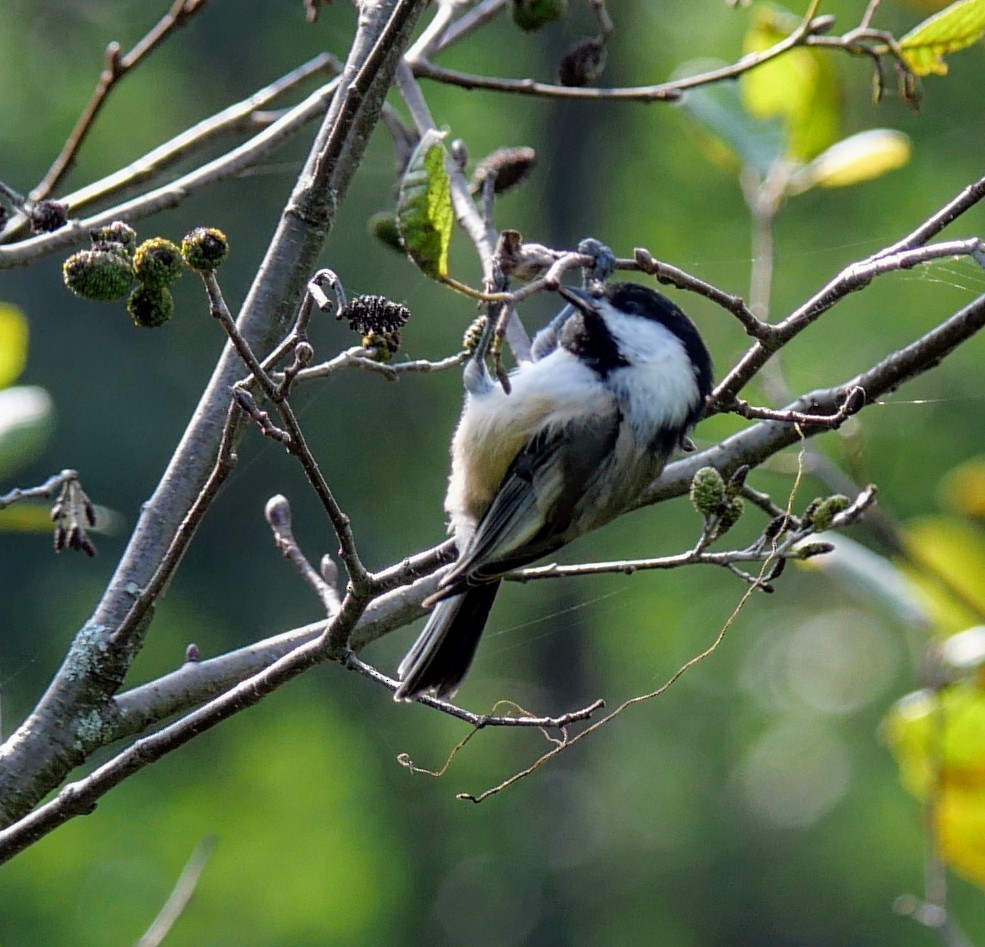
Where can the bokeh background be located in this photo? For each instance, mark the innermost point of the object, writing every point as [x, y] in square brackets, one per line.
[754, 803]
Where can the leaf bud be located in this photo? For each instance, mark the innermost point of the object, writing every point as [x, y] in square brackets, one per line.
[531, 15]
[98, 274]
[707, 491]
[205, 248]
[734, 508]
[150, 306]
[118, 236]
[828, 509]
[157, 262]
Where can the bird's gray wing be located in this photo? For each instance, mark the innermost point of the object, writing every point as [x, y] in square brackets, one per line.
[531, 514]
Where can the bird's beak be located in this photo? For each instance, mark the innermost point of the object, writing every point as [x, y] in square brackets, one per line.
[581, 299]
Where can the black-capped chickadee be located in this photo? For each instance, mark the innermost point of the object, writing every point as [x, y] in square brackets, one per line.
[616, 382]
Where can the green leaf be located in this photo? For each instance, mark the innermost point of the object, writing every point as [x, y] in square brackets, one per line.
[424, 210]
[855, 159]
[734, 136]
[26, 423]
[800, 88]
[13, 343]
[953, 28]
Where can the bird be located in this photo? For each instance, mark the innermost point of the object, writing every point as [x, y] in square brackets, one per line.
[614, 385]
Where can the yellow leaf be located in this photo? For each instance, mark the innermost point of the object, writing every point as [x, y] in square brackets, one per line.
[955, 27]
[963, 489]
[949, 557]
[938, 740]
[959, 817]
[13, 344]
[800, 87]
[855, 159]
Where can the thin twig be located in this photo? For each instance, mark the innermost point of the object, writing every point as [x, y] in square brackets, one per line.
[671, 275]
[292, 437]
[181, 894]
[175, 192]
[278, 515]
[661, 92]
[849, 280]
[46, 490]
[242, 116]
[853, 403]
[479, 721]
[116, 68]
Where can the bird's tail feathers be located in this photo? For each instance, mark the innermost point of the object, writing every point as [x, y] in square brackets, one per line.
[443, 652]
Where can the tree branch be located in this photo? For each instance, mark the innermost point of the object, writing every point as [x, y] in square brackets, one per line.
[66, 724]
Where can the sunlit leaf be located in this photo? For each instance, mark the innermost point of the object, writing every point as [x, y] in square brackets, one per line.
[949, 557]
[26, 423]
[963, 489]
[855, 159]
[733, 136]
[953, 28]
[800, 87]
[938, 739]
[424, 209]
[13, 344]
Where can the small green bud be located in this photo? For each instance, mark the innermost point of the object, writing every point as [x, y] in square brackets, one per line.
[734, 508]
[98, 274]
[205, 248]
[828, 509]
[150, 306]
[707, 491]
[531, 15]
[117, 236]
[470, 341]
[810, 550]
[385, 343]
[808, 518]
[384, 227]
[157, 262]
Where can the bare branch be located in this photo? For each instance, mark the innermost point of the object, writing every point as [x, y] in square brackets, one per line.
[175, 192]
[117, 66]
[243, 116]
[661, 92]
[35, 759]
[850, 280]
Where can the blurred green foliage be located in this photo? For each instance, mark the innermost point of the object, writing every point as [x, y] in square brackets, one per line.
[753, 803]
